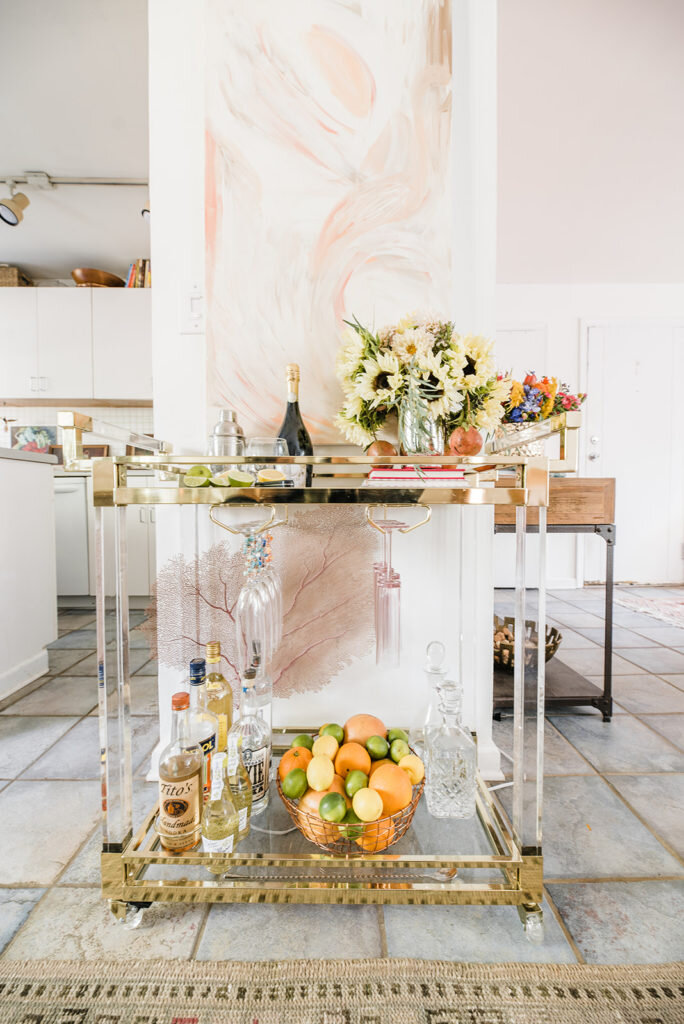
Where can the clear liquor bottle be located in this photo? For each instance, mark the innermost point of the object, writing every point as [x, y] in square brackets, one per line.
[263, 687]
[254, 740]
[238, 781]
[204, 726]
[451, 760]
[220, 822]
[219, 693]
[294, 430]
[429, 716]
[180, 783]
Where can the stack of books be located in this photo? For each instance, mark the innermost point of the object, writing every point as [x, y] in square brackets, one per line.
[139, 275]
[415, 476]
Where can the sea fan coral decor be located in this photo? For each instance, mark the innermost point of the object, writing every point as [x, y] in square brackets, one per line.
[449, 380]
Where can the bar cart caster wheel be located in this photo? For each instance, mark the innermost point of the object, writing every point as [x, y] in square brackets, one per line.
[533, 923]
[128, 915]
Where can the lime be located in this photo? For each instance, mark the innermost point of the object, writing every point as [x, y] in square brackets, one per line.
[398, 749]
[199, 471]
[332, 730]
[220, 480]
[397, 734]
[355, 781]
[195, 481]
[270, 476]
[239, 479]
[302, 741]
[294, 784]
[332, 807]
[347, 828]
[377, 747]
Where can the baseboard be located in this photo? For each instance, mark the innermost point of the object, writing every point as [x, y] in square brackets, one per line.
[20, 675]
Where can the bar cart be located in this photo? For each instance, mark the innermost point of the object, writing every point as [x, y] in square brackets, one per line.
[494, 859]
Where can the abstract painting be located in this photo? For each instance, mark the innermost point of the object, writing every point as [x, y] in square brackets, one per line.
[328, 156]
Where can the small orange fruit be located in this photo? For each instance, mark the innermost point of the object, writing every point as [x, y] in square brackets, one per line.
[360, 728]
[379, 764]
[394, 786]
[296, 757]
[352, 757]
[377, 836]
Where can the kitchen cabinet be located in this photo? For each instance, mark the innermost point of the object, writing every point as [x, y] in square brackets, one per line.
[140, 540]
[122, 346]
[65, 353]
[18, 342]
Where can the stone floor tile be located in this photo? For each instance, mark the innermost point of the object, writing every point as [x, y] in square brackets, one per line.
[632, 620]
[669, 636]
[78, 638]
[589, 833]
[137, 641]
[15, 907]
[645, 694]
[61, 660]
[290, 932]
[656, 659]
[88, 667]
[596, 607]
[574, 640]
[144, 694]
[77, 755]
[659, 799]
[580, 595]
[590, 663]
[560, 758]
[49, 820]
[75, 620]
[624, 922]
[76, 924]
[677, 679]
[623, 745]
[4, 783]
[621, 637]
[576, 618]
[61, 695]
[150, 668]
[670, 726]
[22, 740]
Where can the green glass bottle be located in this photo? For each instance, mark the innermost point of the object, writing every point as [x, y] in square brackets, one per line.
[238, 783]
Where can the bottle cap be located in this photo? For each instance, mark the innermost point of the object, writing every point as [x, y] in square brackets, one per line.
[213, 650]
[227, 425]
[180, 701]
[198, 671]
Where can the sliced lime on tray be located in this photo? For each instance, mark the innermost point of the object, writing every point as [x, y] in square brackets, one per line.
[195, 481]
[238, 478]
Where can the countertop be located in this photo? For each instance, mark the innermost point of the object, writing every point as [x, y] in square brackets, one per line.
[24, 456]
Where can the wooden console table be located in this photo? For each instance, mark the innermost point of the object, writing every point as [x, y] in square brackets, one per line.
[584, 505]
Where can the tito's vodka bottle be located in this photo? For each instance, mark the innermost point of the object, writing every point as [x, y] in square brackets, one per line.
[294, 430]
[204, 726]
[180, 783]
[254, 741]
[219, 693]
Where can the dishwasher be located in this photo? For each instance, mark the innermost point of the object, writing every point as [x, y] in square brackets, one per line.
[71, 525]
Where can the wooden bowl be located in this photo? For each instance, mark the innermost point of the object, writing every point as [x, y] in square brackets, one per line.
[88, 277]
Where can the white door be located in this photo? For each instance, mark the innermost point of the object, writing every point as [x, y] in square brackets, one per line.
[138, 534]
[122, 343]
[18, 343]
[634, 433]
[65, 357]
[71, 527]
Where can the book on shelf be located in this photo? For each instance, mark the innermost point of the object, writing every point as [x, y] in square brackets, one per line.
[139, 274]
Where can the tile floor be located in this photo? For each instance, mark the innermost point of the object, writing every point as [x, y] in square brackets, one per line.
[614, 824]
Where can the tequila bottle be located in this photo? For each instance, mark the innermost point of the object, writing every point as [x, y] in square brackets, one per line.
[429, 716]
[219, 693]
[451, 760]
[180, 783]
[204, 726]
[220, 815]
[238, 781]
[254, 740]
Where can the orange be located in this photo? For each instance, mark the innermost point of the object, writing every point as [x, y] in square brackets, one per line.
[394, 786]
[360, 728]
[377, 836]
[296, 757]
[350, 757]
[378, 764]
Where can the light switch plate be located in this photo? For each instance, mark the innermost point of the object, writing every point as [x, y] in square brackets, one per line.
[192, 310]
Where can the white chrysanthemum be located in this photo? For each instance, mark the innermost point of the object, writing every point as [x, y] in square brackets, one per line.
[409, 344]
[480, 358]
[490, 415]
[373, 385]
[353, 430]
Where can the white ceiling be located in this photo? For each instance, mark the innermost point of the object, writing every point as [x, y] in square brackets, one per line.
[73, 77]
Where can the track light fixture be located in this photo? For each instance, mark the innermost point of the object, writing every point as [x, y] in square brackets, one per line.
[12, 208]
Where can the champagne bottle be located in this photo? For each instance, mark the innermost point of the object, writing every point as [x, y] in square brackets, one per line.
[294, 431]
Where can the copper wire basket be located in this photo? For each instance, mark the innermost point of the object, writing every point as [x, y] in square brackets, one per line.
[353, 840]
[504, 648]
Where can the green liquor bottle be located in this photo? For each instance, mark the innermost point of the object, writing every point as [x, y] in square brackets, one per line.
[238, 782]
[220, 816]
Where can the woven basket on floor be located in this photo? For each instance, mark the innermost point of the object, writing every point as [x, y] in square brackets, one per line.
[504, 650]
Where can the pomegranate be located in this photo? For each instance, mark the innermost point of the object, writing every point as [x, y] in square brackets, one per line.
[378, 448]
[465, 442]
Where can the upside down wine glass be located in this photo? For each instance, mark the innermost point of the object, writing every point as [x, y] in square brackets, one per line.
[387, 599]
[258, 613]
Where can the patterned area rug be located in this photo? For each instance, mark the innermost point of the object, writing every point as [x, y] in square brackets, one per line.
[338, 992]
[667, 609]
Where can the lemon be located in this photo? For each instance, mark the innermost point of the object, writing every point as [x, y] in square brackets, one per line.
[414, 767]
[367, 803]
[320, 772]
[238, 478]
[193, 480]
[270, 476]
[326, 745]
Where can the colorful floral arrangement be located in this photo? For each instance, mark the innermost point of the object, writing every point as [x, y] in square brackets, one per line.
[536, 399]
[455, 376]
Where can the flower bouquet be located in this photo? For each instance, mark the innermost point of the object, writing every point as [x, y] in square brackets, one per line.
[534, 400]
[423, 373]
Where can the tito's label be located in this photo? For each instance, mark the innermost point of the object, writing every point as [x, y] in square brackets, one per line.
[208, 747]
[179, 810]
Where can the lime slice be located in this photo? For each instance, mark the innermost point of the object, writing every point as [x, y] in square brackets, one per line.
[199, 471]
[221, 479]
[270, 476]
[238, 478]
[195, 481]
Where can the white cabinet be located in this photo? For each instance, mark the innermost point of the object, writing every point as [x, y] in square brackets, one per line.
[65, 354]
[140, 544]
[122, 346]
[18, 343]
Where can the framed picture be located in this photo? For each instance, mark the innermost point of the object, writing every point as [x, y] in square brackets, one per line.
[33, 439]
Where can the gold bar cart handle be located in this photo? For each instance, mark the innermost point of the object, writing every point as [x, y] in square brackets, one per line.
[404, 529]
[259, 529]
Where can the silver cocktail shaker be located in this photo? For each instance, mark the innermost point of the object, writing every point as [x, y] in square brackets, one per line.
[227, 437]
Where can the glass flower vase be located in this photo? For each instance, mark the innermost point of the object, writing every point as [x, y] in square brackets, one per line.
[419, 433]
